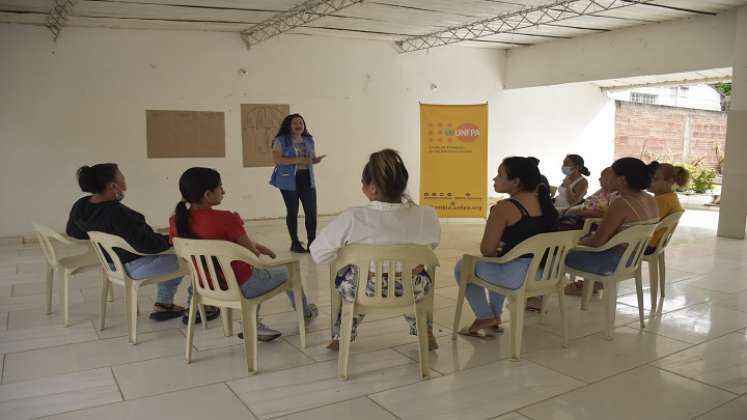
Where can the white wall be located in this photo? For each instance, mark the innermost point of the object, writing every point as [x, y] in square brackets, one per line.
[698, 43]
[551, 122]
[82, 101]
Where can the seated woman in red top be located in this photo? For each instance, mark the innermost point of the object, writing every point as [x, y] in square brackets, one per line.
[202, 189]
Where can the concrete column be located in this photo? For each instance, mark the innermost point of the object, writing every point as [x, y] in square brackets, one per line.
[733, 215]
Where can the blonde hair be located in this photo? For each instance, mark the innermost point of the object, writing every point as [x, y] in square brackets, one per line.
[678, 174]
[386, 170]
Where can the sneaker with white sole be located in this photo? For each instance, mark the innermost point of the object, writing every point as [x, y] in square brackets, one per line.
[264, 333]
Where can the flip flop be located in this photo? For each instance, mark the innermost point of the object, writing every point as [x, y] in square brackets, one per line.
[482, 336]
[166, 312]
[497, 329]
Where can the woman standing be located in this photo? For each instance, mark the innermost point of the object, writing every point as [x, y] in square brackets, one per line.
[294, 157]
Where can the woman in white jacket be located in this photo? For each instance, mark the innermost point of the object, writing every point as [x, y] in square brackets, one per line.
[390, 218]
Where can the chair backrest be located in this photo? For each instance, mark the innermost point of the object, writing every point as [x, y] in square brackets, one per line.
[209, 262]
[390, 264]
[548, 251]
[635, 239]
[46, 235]
[104, 244]
[668, 226]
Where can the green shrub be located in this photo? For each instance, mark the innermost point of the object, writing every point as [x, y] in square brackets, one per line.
[701, 177]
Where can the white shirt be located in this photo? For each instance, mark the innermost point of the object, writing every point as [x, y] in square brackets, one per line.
[377, 223]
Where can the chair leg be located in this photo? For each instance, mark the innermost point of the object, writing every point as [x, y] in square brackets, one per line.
[543, 300]
[66, 297]
[611, 294]
[346, 333]
[203, 318]
[639, 293]
[662, 274]
[298, 302]
[586, 294]
[130, 310]
[106, 289]
[563, 321]
[421, 324]
[249, 325]
[653, 279]
[458, 313]
[191, 328]
[225, 316]
[517, 325]
[110, 298]
[50, 287]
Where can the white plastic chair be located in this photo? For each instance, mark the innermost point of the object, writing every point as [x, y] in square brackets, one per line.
[207, 258]
[404, 257]
[635, 239]
[116, 274]
[540, 280]
[657, 273]
[66, 266]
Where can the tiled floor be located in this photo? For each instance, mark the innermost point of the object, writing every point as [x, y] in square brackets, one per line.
[689, 362]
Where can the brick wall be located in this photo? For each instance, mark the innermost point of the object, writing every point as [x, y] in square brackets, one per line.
[653, 132]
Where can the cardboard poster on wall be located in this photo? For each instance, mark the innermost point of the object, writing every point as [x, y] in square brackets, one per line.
[454, 159]
[259, 124]
[182, 134]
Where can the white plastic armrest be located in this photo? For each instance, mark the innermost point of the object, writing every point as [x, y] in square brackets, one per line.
[604, 247]
[276, 263]
[588, 223]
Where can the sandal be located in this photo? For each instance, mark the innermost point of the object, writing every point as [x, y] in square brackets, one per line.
[497, 329]
[166, 311]
[475, 334]
[211, 312]
[534, 304]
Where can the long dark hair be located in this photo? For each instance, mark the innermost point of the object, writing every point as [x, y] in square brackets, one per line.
[285, 126]
[579, 161]
[530, 180]
[636, 173]
[386, 170]
[193, 184]
[94, 179]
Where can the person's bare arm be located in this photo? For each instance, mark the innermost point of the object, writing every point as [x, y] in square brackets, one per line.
[256, 248]
[578, 191]
[277, 157]
[497, 221]
[612, 221]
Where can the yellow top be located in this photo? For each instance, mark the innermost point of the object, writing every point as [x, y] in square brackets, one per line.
[668, 203]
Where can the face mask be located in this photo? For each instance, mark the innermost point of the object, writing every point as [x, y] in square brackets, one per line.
[567, 170]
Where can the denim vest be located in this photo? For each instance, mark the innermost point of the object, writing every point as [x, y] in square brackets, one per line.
[284, 176]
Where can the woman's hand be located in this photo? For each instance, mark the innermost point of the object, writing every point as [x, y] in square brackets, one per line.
[265, 251]
[318, 159]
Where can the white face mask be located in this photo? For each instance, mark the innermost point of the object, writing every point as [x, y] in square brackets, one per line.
[567, 170]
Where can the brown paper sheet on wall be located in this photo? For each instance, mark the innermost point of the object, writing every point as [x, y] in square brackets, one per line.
[259, 124]
[181, 134]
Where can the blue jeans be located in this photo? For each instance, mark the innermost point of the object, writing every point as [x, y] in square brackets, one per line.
[263, 281]
[601, 263]
[307, 195]
[156, 265]
[509, 275]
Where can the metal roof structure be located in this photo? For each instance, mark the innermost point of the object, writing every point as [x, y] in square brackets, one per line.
[407, 22]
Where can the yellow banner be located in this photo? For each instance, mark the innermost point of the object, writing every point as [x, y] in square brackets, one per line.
[454, 159]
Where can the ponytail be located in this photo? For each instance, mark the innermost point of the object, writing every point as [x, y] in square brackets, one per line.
[181, 214]
[94, 179]
[681, 176]
[550, 215]
[579, 162]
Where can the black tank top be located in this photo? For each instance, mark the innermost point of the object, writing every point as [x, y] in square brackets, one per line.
[526, 227]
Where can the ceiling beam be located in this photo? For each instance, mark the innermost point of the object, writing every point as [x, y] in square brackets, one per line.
[507, 23]
[298, 16]
[58, 15]
[683, 82]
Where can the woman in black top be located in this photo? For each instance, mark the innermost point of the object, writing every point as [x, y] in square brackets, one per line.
[103, 211]
[528, 212]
